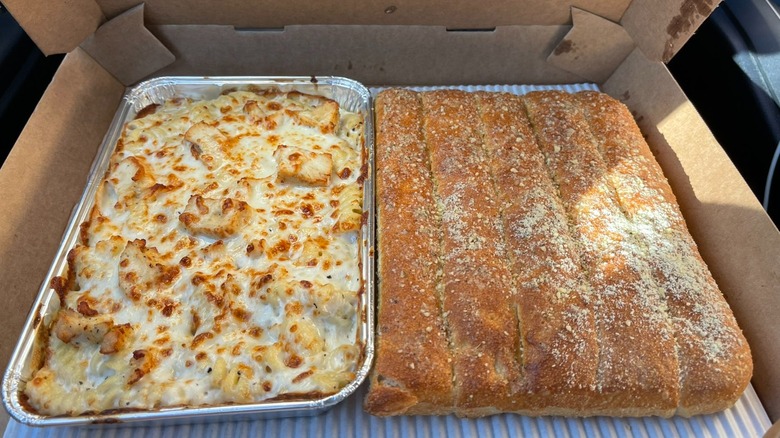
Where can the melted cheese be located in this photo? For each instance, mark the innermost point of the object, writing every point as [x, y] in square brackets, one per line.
[221, 280]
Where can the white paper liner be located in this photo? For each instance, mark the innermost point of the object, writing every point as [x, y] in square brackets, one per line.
[747, 418]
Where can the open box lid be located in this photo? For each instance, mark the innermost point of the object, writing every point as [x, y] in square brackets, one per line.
[597, 34]
[620, 44]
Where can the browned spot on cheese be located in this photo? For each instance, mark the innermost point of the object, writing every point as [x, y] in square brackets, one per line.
[256, 332]
[302, 376]
[280, 247]
[169, 274]
[168, 309]
[241, 314]
[198, 279]
[200, 338]
[261, 281]
[116, 338]
[294, 308]
[143, 362]
[293, 361]
[60, 285]
[147, 111]
[195, 322]
[84, 308]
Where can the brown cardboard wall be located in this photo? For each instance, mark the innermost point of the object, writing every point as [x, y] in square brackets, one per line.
[735, 236]
[449, 13]
[661, 27]
[594, 47]
[371, 54]
[43, 178]
[126, 49]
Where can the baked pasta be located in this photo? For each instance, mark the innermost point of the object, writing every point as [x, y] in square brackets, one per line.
[219, 264]
[533, 259]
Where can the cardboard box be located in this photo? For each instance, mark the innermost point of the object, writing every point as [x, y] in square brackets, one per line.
[620, 44]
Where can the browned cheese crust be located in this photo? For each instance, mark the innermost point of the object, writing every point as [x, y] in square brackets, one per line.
[561, 273]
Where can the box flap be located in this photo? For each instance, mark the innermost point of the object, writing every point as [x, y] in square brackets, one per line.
[593, 48]
[516, 54]
[56, 26]
[448, 13]
[126, 49]
[734, 234]
[661, 27]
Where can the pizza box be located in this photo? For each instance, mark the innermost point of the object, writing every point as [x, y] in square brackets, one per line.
[621, 45]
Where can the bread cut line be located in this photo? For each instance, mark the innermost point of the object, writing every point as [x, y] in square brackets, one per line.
[533, 259]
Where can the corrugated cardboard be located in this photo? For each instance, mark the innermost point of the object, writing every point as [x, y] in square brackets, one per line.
[394, 42]
[592, 37]
[661, 27]
[515, 54]
[119, 43]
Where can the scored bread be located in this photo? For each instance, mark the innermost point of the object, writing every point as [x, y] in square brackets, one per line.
[533, 259]
[419, 378]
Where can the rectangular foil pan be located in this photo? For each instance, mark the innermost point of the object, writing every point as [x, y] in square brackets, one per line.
[350, 95]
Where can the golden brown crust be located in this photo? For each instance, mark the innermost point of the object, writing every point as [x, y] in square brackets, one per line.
[706, 332]
[414, 362]
[557, 343]
[568, 280]
[632, 374]
[478, 286]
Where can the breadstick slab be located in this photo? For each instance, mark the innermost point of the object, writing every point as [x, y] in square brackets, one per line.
[560, 270]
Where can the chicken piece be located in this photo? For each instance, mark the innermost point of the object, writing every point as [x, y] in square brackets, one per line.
[298, 165]
[215, 218]
[70, 325]
[116, 338]
[142, 269]
[207, 144]
[142, 362]
[325, 117]
[255, 113]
